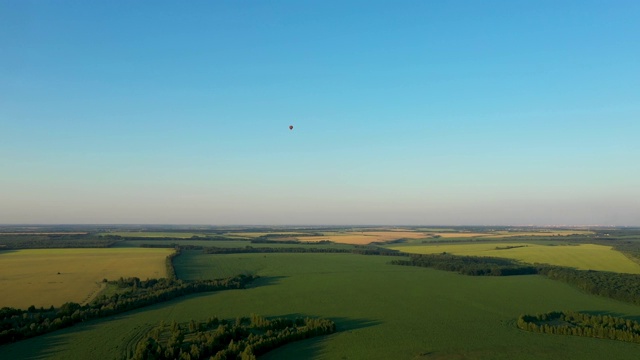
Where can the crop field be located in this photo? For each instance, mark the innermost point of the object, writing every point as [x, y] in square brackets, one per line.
[382, 312]
[542, 233]
[581, 256]
[364, 237]
[507, 234]
[54, 276]
[367, 237]
[356, 237]
[448, 235]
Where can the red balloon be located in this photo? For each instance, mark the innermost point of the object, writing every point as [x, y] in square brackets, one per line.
[290, 127]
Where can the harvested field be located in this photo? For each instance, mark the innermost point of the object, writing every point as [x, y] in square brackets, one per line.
[54, 276]
[364, 237]
[507, 234]
[447, 235]
[542, 233]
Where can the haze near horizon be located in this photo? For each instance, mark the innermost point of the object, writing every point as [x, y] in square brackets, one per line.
[455, 112]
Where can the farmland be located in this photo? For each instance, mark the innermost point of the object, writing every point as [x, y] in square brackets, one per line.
[580, 256]
[364, 237]
[48, 277]
[153, 234]
[381, 311]
[354, 236]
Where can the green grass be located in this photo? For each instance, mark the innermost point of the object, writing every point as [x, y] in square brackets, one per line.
[382, 312]
[581, 256]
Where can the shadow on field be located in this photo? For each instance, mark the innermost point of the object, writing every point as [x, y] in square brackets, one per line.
[42, 349]
[342, 323]
[43, 346]
[303, 349]
[349, 324]
[53, 344]
[314, 347]
[265, 281]
[610, 313]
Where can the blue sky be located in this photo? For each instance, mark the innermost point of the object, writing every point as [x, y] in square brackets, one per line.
[404, 112]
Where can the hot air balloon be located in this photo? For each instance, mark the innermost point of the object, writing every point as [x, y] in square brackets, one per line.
[290, 127]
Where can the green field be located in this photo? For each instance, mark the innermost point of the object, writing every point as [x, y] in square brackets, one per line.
[382, 312]
[581, 256]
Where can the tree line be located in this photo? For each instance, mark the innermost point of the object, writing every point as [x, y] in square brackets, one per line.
[133, 293]
[360, 250]
[618, 286]
[47, 241]
[243, 338]
[469, 265]
[581, 324]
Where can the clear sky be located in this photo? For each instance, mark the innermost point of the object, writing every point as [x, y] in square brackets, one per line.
[404, 112]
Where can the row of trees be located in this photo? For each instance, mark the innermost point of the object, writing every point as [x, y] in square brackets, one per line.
[264, 250]
[133, 293]
[618, 286]
[469, 265]
[361, 250]
[581, 324]
[243, 338]
[45, 241]
[171, 238]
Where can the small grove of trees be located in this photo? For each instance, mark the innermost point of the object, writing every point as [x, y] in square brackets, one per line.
[581, 324]
[242, 338]
[17, 324]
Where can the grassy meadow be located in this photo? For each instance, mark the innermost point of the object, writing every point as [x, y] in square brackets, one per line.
[382, 312]
[46, 277]
[580, 256]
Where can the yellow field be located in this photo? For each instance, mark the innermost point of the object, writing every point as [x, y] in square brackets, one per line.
[541, 233]
[583, 256]
[30, 277]
[447, 235]
[364, 237]
[256, 234]
[504, 233]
